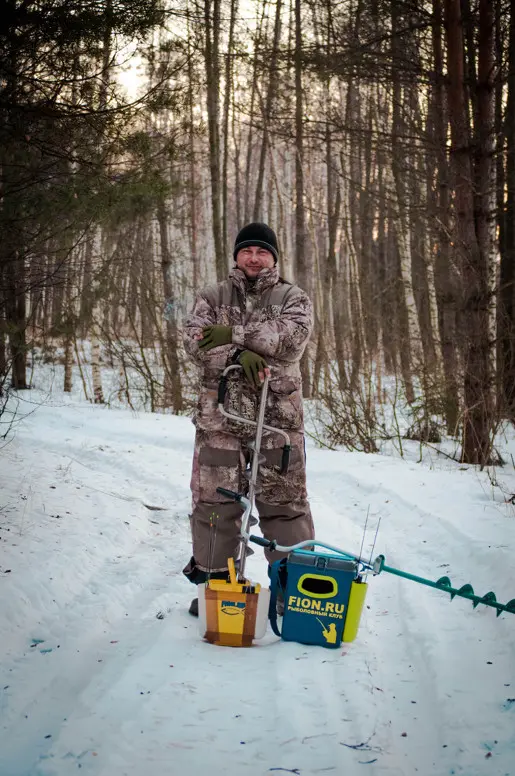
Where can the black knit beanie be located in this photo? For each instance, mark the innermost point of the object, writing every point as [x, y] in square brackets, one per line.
[257, 234]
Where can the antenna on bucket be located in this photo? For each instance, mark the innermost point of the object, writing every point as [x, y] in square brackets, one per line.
[373, 547]
[364, 533]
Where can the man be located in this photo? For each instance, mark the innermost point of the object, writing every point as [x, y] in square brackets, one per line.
[260, 321]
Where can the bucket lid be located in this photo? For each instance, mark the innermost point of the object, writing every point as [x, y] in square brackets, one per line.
[323, 560]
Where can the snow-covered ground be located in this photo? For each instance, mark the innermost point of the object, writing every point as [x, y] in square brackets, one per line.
[94, 533]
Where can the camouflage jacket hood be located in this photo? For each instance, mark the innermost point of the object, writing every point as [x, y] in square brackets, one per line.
[266, 279]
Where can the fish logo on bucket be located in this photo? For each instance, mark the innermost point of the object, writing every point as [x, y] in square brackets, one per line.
[233, 607]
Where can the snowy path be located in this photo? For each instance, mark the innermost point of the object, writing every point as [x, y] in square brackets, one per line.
[427, 688]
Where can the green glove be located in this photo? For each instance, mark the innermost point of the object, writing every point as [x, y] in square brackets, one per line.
[214, 336]
[252, 364]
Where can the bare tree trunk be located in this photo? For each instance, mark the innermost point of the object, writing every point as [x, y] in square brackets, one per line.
[237, 143]
[15, 272]
[192, 170]
[172, 380]
[94, 329]
[96, 370]
[474, 257]
[98, 238]
[331, 281]
[250, 136]
[445, 274]
[300, 215]
[318, 299]
[413, 341]
[225, 132]
[386, 277]
[506, 313]
[369, 288]
[422, 228]
[267, 110]
[212, 61]
[469, 22]
[382, 258]
[86, 297]
[360, 356]
[3, 330]
[485, 211]
[281, 218]
[69, 329]
[12, 244]
[434, 329]
[68, 363]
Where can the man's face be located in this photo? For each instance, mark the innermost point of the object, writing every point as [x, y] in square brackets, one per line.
[253, 259]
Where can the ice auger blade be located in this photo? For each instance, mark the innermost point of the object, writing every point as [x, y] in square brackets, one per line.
[444, 583]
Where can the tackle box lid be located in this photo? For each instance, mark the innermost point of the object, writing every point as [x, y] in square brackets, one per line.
[323, 560]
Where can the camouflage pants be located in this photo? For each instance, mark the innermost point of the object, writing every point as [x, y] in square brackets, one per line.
[220, 459]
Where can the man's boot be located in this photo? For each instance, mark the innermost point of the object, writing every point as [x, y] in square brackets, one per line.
[193, 610]
[198, 576]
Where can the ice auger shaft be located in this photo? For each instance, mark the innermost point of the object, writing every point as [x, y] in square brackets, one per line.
[257, 459]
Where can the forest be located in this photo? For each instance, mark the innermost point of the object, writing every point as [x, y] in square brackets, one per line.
[377, 137]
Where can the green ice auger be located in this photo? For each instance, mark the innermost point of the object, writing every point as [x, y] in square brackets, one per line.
[444, 583]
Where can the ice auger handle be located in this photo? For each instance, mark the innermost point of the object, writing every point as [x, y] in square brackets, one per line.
[222, 383]
[263, 542]
[285, 461]
[222, 389]
[229, 494]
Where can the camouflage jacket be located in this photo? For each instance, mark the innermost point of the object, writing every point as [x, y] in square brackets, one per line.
[271, 317]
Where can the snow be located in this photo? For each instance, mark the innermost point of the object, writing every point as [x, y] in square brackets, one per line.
[94, 533]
